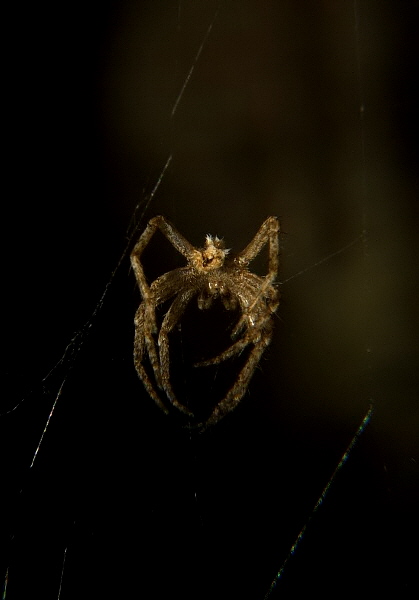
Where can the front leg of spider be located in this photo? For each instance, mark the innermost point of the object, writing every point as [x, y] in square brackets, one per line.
[140, 347]
[160, 290]
[175, 238]
[267, 234]
[172, 317]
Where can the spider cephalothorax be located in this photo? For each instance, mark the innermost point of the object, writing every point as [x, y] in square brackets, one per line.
[210, 257]
[210, 273]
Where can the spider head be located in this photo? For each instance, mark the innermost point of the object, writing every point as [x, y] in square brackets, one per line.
[214, 253]
[211, 256]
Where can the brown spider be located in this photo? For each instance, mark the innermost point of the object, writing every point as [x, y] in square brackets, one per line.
[210, 273]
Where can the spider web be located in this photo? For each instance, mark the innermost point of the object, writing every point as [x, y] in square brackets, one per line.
[238, 112]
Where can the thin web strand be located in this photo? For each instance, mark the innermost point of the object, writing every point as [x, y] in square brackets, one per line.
[62, 574]
[82, 334]
[48, 421]
[325, 259]
[195, 61]
[322, 496]
[74, 347]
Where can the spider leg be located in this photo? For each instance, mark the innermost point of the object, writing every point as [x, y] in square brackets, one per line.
[179, 243]
[260, 296]
[248, 320]
[145, 322]
[254, 318]
[172, 317]
[171, 233]
[139, 351]
[251, 336]
[232, 350]
[238, 390]
[268, 233]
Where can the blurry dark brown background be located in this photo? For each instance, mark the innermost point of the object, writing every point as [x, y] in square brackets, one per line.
[301, 110]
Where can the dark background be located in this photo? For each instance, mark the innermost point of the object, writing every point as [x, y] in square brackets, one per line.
[301, 110]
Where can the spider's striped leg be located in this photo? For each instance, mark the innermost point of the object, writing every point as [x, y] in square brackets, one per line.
[239, 388]
[267, 234]
[251, 336]
[235, 348]
[145, 320]
[140, 343]
[174, 237]
[172, 317]
[147, 326]
[266, 292]
[256, 316]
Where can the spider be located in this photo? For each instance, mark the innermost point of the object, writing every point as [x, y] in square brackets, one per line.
[210, 273]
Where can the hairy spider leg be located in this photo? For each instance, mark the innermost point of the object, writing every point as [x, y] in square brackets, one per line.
[260, 317]
[139, 349]
[267, 303]
[171, 318]
[239, 388]
[160, 291]
[239, 345]
[250, 334]
[267, 234]
[175, 238]
[258, 297]
[171, 233]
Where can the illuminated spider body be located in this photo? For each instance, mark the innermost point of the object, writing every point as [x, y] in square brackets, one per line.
[210, 273]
